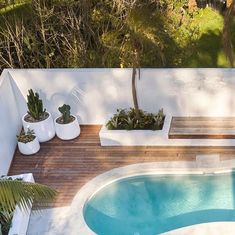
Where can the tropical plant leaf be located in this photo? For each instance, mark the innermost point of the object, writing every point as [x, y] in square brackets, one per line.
[23, 194]
[129, 120]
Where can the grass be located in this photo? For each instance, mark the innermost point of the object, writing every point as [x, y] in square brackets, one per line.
[208, 47]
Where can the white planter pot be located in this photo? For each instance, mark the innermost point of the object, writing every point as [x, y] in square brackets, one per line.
[44, 130]
[135, 137]
[30, 147]
[67, 131]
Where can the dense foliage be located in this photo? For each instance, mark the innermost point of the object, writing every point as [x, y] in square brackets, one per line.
[102, 33]
[136, 120]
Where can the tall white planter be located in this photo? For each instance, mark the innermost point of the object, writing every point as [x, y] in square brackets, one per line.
[29, 148]
[67, 131]
[44, 130]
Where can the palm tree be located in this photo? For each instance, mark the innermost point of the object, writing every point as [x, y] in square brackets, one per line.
[22, 194]
[227, 41]
[135, 65]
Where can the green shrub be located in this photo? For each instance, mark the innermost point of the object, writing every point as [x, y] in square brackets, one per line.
[129, 120]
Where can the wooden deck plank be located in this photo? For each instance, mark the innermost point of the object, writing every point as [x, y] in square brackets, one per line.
[68, 165]
[202, 128]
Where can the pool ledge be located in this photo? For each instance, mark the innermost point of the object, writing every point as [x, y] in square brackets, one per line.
[77, 224]
[215, 228]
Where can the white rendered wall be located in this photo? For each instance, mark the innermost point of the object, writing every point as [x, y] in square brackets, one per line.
[10, 123]
[189, 92]
[94, 94]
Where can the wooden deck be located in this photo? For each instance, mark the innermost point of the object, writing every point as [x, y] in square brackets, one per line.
[202, 128]
[68, 165]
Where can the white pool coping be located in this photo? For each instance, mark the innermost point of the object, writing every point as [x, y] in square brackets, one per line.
[215, 228]
[77, 223]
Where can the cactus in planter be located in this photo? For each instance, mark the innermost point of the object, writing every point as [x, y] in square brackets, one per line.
[66, 125]
[65, 111]
[35, 105]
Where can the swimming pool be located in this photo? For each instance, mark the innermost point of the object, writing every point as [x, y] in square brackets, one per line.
[153, 204]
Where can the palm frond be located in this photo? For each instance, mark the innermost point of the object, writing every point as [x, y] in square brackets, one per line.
[23, 194]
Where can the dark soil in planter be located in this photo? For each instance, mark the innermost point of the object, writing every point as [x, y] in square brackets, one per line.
[43, 117]
[60, 120]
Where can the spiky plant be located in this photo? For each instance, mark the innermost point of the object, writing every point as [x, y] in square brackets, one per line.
[35, 105]
[22, 194]
[65, 111]
[26, 137]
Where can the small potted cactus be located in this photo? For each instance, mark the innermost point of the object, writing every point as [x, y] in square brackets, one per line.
[28, 142]
[66, 126]
[37, 118]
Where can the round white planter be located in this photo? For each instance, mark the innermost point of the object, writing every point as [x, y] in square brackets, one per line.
[67, 131]
[44, 130]
[30, 147]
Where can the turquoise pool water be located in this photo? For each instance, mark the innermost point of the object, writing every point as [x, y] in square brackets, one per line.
[149, 205]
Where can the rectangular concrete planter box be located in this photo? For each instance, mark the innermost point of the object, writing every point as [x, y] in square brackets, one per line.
[20, 218]
[134, 137]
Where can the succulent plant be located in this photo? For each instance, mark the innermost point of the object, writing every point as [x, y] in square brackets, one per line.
[26, 137]
[65, 111]
[35, 105]
[128, 120]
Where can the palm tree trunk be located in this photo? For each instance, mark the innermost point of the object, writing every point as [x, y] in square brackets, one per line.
[134, 92]
[227, 41]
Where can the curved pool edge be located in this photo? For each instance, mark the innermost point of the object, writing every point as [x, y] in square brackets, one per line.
[215, 228]
[77, 220]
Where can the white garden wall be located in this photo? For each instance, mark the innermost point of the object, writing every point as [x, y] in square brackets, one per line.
[195, 92]
[10, 122]
[94, 94]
